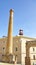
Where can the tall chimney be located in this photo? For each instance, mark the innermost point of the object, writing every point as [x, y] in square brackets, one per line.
[9, 47]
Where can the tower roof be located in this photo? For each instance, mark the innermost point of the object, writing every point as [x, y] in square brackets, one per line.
[20, 32]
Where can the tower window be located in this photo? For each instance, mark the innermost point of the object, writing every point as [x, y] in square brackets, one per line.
[34, 57]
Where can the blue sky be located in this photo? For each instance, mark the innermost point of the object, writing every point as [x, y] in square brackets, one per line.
[24, 17]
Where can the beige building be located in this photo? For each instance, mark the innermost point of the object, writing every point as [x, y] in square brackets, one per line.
[13, 48]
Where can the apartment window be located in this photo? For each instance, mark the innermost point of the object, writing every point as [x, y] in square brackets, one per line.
[16, 57]
[33, 63]
[33, 49]
[3, 48]
[33, 57]
[16, 48]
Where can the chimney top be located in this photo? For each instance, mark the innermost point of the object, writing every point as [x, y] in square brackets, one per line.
[11, 10]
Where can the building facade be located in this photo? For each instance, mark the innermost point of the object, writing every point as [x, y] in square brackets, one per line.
[13, 48]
